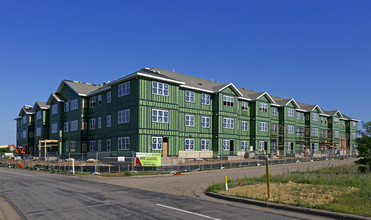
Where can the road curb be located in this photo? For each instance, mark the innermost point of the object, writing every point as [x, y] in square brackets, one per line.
[14, 206]
[272, 205]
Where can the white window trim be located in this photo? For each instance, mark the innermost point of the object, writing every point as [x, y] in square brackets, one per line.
[206, 123]
[157, 144]
[163, 89]
[205, 144]
[123, 143]
[205, 99]
[190, 97]
[228, 123]
[190, 122]
[157, 116]
[191, 145]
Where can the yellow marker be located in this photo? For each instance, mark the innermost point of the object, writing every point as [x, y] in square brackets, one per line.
[226, 183]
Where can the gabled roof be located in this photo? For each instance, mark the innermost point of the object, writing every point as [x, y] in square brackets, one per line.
[80, 88]
[221, 87]
[54, 96]
[309, 108]
[283, 102]
[42, 105]
[190, 82]
[26, 109]
[333, 113]
[349, 118]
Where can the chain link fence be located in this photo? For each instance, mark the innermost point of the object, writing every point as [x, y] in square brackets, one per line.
[125, 161]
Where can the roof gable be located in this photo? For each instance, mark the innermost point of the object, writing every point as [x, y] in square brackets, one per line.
[52, 97]
[26, 110]
[267, 96]
[80, 88]
[40, 105]
[225, 86]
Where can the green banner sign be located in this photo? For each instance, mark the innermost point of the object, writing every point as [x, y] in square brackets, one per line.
[149, 160]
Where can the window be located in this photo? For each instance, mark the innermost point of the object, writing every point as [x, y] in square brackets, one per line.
[342, 123]
[92, 124]
[160, 116]
[66, 126]
[156, 143]
[38, 132]
[24, 133]
[160, 88]
[298, 131]
[244, 126]
[274, 129]
[263, 126]
[205, 144]
[67, 146]
[274, 145]
[74, 125]
[354, 123]
[342, 135]
[244, 106]
[73, 146]
[315, 117]
[244, 145]
[38, 115]
[190, 120]
[302, 116]
[290, 112]
[228, 123]
[189, 144]
[205, 122]
[226, 144]
[315, 145]
[99, 99]
[124, 116]
[109, 97]
[263, 107]
[99, 145]
[123, 143]
[73, 104]
[99, 122]
[274, 111]
[189, 96]
[109, 145]
[336, 134]
[314, 131]
[54, 109]
[92, 102]
[228, 101]
[24, 119]
[290, 129]
[66, 106]
[54, 128]
[108, 121]
[336, 120]
[354, 135]
[92, 145]
[205, 99]
[298, 116]
[124, 89]
[261, 145]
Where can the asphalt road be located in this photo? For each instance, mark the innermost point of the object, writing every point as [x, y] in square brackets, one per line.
[51, 196]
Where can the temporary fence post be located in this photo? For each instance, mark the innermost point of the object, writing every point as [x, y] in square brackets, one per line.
[267, 174]
[73, 166]
[199, 160]
[96, 163]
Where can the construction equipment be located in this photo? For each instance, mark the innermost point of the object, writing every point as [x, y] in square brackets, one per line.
[18, 150]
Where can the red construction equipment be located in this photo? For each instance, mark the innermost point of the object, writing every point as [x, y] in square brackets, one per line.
[18, 150]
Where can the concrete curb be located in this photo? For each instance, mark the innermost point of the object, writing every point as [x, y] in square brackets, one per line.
[272, 205]
[14, 207]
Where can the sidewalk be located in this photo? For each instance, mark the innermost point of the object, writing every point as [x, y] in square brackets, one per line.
[7, 212]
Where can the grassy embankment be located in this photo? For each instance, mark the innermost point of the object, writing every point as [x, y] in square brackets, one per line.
[341, 189]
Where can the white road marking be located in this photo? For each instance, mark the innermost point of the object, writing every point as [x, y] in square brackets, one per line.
[185, 211]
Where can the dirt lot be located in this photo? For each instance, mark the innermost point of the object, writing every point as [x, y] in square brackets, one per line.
[290, 193]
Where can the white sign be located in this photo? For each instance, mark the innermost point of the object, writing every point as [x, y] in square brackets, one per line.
[121, 159]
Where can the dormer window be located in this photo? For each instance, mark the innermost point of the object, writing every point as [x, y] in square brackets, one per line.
[263, 107]
[228, 101]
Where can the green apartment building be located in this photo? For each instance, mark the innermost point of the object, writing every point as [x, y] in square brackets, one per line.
[156, 110]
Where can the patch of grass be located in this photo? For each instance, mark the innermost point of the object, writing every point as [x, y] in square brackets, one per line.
[334, 181]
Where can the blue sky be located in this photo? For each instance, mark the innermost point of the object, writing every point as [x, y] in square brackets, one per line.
[317, 52]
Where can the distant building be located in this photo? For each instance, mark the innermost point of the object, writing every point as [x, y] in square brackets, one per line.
[156, 110]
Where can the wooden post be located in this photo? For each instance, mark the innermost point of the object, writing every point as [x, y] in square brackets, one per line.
[267, 174]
